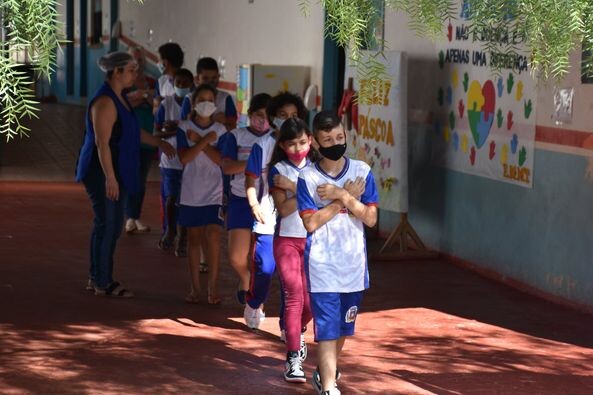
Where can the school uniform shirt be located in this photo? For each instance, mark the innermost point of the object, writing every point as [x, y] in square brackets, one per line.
[165, 86]
[237, 146]
[201, 183]
[257, 167]
[169, 110]
[335, 254]
[292, 224]
[224, 104]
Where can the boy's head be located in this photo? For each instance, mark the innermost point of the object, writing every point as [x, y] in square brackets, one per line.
[183, 82]
[207, 72]
[183, 78]
[328, 130]
[171, 56]
[138, 53]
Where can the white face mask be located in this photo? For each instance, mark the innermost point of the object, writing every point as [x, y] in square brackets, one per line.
[205, 108]
[278, 122]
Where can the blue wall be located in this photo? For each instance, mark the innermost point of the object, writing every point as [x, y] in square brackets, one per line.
[542, 236]
[94, 74]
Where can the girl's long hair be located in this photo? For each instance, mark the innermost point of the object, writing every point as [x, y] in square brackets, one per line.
[291, 129]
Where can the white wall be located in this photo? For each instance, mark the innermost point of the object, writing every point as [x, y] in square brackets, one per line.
[263, 31]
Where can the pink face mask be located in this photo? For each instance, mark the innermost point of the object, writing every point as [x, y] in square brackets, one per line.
[297, 157]
[259, 124]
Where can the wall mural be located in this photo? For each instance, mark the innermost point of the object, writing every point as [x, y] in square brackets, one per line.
[485, 120]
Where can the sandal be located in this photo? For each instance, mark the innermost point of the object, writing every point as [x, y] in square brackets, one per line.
[203, 267]
[165, 243]
[116, 290]
[191, 298]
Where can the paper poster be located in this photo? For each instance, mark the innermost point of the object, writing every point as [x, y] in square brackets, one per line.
[379, 135]
[485, 118]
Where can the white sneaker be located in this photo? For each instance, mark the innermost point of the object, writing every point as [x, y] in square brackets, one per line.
[293, 369]
[303, 348]
[140, 227]
[130, 225]
[253, 317]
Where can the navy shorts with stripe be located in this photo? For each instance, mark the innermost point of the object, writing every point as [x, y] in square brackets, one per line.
[239, 214]
[334, 314]
[191, 216]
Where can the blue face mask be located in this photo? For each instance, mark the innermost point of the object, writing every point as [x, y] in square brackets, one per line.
[161, 67]
[181, 92]
[278, 122]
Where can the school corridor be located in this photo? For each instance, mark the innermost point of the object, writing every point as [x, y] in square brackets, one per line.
[426, 327]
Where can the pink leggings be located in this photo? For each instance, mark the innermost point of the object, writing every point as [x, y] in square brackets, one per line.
[289, 255]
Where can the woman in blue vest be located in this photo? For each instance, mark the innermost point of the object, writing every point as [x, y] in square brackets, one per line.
[108, 165]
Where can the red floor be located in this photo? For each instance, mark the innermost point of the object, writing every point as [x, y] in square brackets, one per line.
[426, 327]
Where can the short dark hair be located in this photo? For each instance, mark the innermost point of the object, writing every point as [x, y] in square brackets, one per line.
[325, 121]
[206, 63]
[172, 53]
[284, 98]
[259, 101]
[184, 73]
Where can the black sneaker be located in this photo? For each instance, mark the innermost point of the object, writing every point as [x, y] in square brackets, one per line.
[316, 382]
[293, 369]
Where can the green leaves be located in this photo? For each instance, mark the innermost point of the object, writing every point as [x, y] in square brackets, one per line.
[33, 38]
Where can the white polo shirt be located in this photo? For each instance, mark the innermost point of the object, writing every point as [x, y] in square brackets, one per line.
[201, 184]
[335, 254]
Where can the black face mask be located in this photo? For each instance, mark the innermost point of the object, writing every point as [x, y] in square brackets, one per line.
[334, 152]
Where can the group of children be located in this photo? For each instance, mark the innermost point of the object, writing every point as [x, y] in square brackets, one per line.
[291, 201]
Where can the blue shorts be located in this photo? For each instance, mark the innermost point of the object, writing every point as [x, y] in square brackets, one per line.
[334, 314]
[239, 214]
[191, 216]
[171, 182]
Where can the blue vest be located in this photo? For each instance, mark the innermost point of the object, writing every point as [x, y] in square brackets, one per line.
[124, 144]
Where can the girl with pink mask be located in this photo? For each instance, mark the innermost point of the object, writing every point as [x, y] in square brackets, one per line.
[292, 153]
[239, 220]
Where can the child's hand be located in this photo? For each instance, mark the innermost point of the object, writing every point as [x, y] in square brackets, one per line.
[284, 182]
[210, 137]
[194, 136]
[330, 192]
[169, 126]
[356, 187]
[258, 214]
[167, 149]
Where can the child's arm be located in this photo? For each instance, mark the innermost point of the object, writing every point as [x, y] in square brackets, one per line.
[252, 198]
[188, 154]
[253, 171]
[229, 148]
[278, 185]
[364, 209]
[314, 220]
[213, 154]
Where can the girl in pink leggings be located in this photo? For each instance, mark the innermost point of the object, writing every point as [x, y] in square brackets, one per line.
[291, 154]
